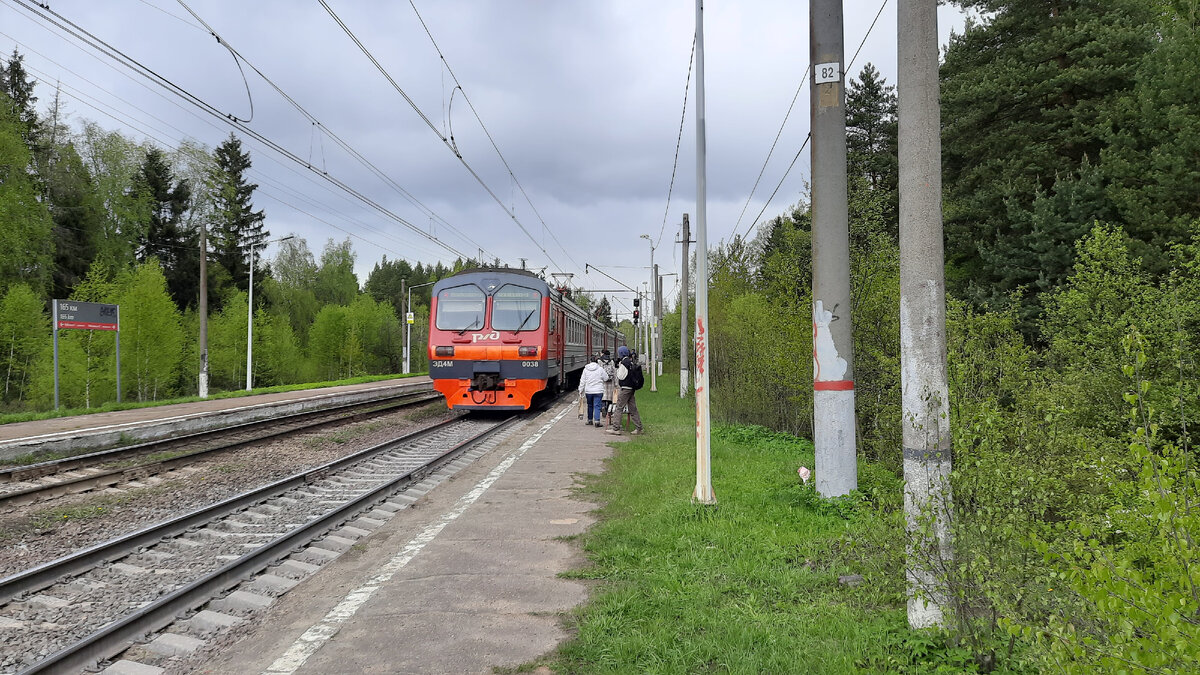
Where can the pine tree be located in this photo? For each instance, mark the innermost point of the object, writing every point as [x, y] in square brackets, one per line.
[1025, 99]
[236, 225]
[78, 219]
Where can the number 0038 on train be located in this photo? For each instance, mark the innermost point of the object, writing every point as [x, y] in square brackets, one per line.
[497, 337]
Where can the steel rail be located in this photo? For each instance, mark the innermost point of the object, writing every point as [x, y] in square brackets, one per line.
[43, 575]
[17, 473]
[123, 474]
[114, 638]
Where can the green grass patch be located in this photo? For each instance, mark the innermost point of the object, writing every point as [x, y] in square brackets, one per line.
[749, 585]
[9, 418]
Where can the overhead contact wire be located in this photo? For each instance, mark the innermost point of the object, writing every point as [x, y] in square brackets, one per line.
[495, 147]
[379, 173]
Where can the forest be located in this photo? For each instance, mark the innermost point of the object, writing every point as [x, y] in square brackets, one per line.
[1071, 182]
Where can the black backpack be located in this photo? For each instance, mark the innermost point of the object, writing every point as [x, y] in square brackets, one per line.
[634, 379]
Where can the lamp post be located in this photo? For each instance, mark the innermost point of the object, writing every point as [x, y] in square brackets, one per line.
[652, 324]
[408, 326]
[250, 315]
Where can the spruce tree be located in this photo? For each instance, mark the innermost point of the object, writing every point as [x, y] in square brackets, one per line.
[20, 99]
[164, 237]
[871, 130]
[236, 225]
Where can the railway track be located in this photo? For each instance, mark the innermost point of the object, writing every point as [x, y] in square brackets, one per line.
[47, 480]
[82, 609]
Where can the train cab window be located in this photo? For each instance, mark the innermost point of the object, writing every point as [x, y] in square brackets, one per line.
[460, 308]
[516, 308]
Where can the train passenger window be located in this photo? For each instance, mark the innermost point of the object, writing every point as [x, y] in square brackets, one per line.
[460, 308]
[516, 308]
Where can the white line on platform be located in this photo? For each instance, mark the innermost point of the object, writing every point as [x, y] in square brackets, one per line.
[315, 637]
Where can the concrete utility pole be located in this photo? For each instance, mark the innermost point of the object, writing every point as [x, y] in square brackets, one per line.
[658, 307]
[404, 351]
[250, 316]
[647, 317]
[926, 407]
[704, 491]
[652, 320]
[408, 326]
[203, 310]
[655, 346]
[683, 316]
[833, 337]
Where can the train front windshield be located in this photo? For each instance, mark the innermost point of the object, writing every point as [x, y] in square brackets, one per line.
[516, 308]
[460, 308]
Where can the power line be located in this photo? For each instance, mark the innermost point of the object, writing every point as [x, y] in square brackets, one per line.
[675, 165]
[111, 52]
[788, 114]
[806, 138]
[94, 105]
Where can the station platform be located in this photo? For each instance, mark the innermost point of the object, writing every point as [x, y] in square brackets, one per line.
[463, 581]
[107, 429]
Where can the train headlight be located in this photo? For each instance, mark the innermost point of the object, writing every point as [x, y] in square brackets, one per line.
[527, 351]
[444, 351]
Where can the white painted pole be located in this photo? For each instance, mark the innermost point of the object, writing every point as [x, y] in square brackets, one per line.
[923, 372]
[704, 491]
[652, 324]
[683, 315]
[407, 331]
[203, 379]
[250, 324]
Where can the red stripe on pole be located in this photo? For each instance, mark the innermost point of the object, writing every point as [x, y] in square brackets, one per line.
[833, 385]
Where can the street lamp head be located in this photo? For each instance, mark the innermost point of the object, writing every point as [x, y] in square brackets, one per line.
[645, 236]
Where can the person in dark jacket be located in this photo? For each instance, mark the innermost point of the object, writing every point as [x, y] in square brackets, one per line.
[625, 395]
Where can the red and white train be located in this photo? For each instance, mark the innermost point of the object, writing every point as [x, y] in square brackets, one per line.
[499, 336]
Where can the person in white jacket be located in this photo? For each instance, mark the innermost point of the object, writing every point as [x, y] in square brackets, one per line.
[591, 385]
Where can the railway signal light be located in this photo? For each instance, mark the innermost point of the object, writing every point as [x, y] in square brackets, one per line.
[636, 302]
[635, 316]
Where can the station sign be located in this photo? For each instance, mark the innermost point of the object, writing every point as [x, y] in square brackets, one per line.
[70, 314]
[408, 316]
[77, 315]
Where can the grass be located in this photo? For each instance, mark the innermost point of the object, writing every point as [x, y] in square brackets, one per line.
[10, 418]
[749, 585]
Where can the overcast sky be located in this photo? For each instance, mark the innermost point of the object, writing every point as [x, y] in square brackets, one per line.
[583, 99]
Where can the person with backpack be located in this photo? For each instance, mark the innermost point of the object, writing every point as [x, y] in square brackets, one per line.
[629, 380]
[610, 385]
